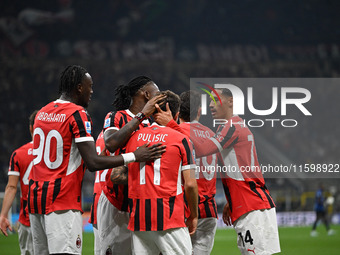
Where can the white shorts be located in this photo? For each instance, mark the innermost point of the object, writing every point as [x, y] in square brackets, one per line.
[112, 227]
[203, 239]
[257, 232]
[25, 240]
[97, 245]
[57, 232]
[170, 241]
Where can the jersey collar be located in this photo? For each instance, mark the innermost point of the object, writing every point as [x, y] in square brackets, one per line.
[130, 113]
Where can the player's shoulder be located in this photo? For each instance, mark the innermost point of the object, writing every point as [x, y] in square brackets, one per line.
[119, 114]
[60, 107]
[199, 126]
[25, 149]
[176, 135]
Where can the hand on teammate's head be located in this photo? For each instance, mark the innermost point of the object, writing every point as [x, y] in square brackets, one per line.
[150, 108]
[163, 117]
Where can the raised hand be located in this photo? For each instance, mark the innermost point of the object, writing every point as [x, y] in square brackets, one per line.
[150, 108]
[163, 117]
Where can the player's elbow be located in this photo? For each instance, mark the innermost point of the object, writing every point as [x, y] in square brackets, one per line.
[92, 165]
[110, 146]
[91, 168]
[11, 188]
[190, 185]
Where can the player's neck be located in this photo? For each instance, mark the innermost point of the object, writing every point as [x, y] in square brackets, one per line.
[136, 106]
[65, 97]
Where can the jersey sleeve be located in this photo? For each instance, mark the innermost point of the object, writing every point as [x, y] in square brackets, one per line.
[173, 124]
[188, 154]
[225, 138]
[14, 165]
[81, 126]
[114, 120]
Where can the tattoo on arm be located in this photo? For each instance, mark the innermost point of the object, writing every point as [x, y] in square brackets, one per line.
[119, 175]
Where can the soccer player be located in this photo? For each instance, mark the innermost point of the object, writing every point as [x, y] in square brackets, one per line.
[112, 215]
[203, 239]
[189, 115]
[97, 190]
[156, 198]
[320, 211]
[63, 147]
[19, 169]
[250, 208]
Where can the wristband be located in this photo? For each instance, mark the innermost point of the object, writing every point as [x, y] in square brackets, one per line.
[140, 116]
[128, 158]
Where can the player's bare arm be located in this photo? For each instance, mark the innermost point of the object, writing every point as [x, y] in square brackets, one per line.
[191, 194]
[94, 162]
[10, 191]
[115, 139]
[119, 175]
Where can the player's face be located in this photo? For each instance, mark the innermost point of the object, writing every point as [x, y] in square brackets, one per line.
[218, 110]
[86, 90]
[151, 90]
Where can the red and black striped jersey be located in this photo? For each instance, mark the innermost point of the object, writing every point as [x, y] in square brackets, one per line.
[20, 165]
[156, 200]
[58, 169]
[205, 169]
[117, 194]
[99, 180]
[242, 178]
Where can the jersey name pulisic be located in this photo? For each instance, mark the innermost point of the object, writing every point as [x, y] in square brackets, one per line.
[206, 176]
[117, 194]
[156, 200]
[21, 165]
[58, 169]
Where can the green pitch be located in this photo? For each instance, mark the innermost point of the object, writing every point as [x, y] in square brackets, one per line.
[294, 241]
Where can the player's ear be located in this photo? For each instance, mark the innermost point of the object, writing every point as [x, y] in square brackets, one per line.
[231, 101]
[79, 88]
[176, 116]
[147, 95]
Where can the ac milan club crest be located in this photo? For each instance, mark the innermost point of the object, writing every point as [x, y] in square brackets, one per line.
[78, 242]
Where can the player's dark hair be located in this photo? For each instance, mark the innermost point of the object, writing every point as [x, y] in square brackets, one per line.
[227, 92]
[190, 103]
[32, 118]
[70, 78]
[173, 100]
[124, 93]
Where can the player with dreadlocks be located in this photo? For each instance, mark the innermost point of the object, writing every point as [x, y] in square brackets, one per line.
[62, 146]
[112, 215]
